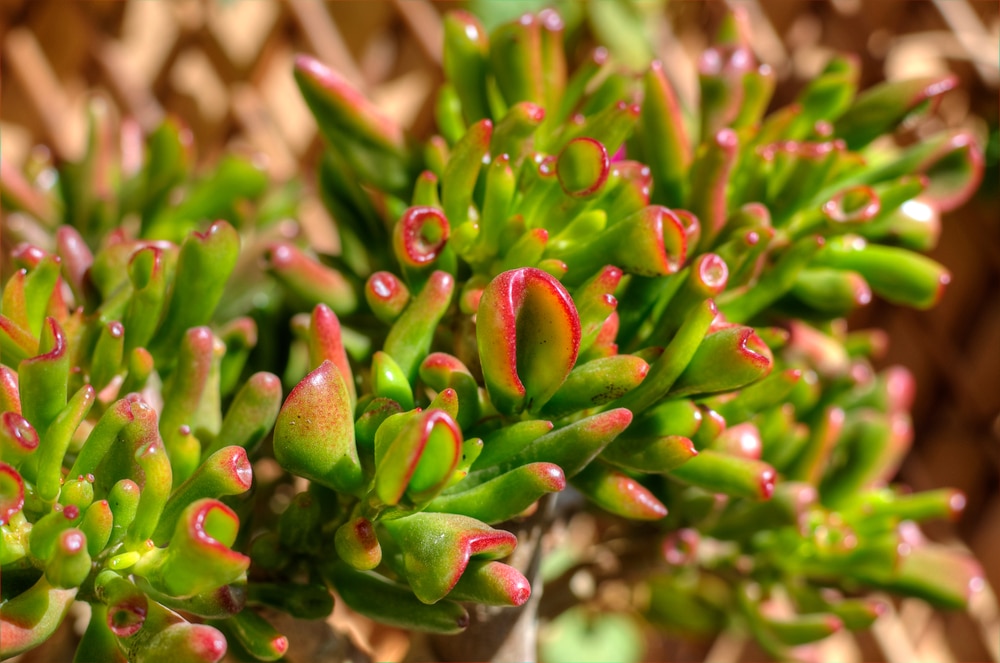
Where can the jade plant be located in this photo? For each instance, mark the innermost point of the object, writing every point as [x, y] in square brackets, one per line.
[579, 288]
[126, 417]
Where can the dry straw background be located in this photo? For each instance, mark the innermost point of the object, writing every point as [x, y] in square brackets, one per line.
[225, 69]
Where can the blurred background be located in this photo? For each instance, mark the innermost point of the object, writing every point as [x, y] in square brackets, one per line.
[224, 68]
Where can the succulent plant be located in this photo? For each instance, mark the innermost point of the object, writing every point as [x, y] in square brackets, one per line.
[645, 301]
[578, 285]
[116, 449]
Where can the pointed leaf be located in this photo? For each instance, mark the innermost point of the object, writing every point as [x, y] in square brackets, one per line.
[503, 497]
[314, 433]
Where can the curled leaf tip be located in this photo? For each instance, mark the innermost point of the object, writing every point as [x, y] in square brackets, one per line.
[582, 167]
[420, 235]
[18, 438]
[712, 272]
[754, 349]
[11, 492]
[237, 467]
[854, 205]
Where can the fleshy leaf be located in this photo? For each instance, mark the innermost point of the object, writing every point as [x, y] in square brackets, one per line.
[529, 337]
[618, 493]
[879, 109]
[357, 544]
[505, 496]
[314, 432]
[204, 265]
[226, 472]
[725, 360]
[419, 459]
[437, 548]
[731, 475]
[373, 144]
[198, 557]
[491, 583]
[30, 618]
